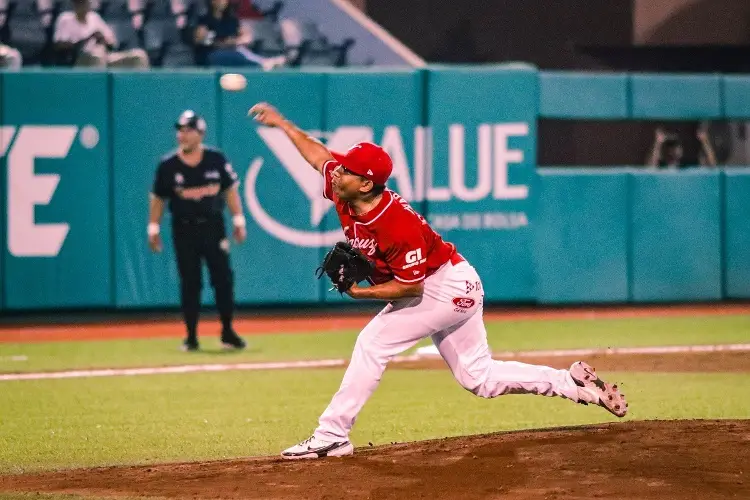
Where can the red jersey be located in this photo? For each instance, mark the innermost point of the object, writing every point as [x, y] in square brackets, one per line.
[398, 240]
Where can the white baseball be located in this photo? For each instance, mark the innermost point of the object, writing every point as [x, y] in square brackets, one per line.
[233, 82]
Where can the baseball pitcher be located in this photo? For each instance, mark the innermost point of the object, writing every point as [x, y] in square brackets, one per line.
[430, 290]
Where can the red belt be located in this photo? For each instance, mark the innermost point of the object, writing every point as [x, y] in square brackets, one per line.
[456, 258]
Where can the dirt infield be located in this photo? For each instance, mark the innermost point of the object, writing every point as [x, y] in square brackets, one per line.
[662, 460]
[132, 329]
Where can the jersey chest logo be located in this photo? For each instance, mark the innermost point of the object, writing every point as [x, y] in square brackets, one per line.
[198, 193]
[367, 246]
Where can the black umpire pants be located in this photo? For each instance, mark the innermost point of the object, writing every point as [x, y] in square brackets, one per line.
[196, 239]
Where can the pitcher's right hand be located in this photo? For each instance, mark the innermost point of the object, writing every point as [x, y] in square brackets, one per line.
[267, 115]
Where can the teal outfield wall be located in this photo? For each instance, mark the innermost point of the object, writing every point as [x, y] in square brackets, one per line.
[640, 96]
[79, 151]
[581, 236]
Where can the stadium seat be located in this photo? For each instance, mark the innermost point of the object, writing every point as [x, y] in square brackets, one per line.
[153, 40]
[295, 33]
[311, 47]
[120, 18]
[177, 55]
[324, 58]
[114, 9]
[190, 9]
[127, 36]
[6, 11]
[331, 56]
[154, 17]
[28, 34]
[165, 44]
[272, 13]
[265, 37]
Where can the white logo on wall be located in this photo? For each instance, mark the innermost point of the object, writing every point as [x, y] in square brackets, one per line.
[492, 178]
[26, 189]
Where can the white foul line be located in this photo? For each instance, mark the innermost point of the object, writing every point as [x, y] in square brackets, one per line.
[333, 363]
[113, 372]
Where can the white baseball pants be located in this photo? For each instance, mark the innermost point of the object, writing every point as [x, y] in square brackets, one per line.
[460, 336]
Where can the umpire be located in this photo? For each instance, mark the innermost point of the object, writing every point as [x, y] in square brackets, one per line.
[197, 180]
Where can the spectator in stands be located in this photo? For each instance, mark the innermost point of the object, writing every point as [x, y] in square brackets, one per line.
[246, 9]
[88, 41]
[10, 58]
[179, 11]
[669, 152]
[707, 156]
[221, 41]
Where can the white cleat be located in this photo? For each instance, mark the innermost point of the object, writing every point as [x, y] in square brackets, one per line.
[592, 389]
[313, 447]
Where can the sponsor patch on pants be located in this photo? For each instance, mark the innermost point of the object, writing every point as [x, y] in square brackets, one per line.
[463, 304]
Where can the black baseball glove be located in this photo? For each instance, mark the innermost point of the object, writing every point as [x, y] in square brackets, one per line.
[345, 265]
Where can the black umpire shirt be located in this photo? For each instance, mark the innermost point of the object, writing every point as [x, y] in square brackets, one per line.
[194, 191]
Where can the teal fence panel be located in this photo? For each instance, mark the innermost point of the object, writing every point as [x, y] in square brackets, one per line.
[735, 92]
[587, 96]
[678, 97]
[479, 184]
[581, 236]
[79, 151]
[6, 135]
[384, 107]
[145, 107]
[737, 233]
[58, 248]
[676, 236]
[280, 190]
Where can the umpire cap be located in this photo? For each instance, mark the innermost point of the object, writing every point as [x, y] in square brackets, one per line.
[189, 118]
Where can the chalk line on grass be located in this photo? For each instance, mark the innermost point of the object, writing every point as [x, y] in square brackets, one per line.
[161, 370]
[14, 358]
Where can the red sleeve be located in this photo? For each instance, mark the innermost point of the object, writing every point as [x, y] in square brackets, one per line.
[406, 255]
[328, 168]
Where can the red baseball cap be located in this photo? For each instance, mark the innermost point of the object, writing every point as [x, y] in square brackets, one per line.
[368, 160]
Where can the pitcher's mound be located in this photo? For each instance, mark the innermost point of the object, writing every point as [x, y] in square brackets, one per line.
[662, 460]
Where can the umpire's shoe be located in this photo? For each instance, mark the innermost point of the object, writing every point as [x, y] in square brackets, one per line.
[313, 447]
[592, 389]
[230, 340]
[190, 345]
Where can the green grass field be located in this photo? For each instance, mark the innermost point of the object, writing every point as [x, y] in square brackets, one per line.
[502, 336]
[51, 424]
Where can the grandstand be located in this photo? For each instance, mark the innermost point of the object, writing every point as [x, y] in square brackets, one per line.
[164, 28]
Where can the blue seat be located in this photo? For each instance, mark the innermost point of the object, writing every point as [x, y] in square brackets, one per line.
[295, 32]
[114, 9]
[265, 37]
[178, 55]
[165, 44]
[127, 36]
[28, 34]
[307, 46]
[6, 12]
